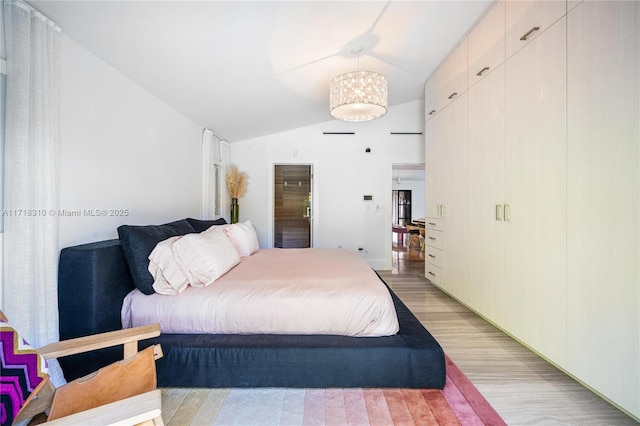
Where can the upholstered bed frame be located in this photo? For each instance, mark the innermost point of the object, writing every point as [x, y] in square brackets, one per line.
[94, 279]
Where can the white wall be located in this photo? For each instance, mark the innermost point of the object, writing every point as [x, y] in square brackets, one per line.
[343, 173]
[120, 148]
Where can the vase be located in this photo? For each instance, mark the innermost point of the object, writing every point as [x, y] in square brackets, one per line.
[235, 210]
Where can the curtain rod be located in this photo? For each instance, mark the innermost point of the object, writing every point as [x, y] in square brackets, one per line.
[26, 6]
[205, 130]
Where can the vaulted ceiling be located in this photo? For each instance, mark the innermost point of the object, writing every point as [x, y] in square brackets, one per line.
[246, 69]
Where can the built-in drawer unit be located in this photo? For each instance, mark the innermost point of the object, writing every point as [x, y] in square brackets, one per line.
[433, 256]
[435, 238]
[433, 273]
[434, 223]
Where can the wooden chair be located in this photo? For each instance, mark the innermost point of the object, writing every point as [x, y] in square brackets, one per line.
[415, 237]
[121, 393]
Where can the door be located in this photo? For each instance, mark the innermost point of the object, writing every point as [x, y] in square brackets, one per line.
[485, 240]
[292, 205]
[535, 188]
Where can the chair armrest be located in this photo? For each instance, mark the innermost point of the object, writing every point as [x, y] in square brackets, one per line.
[99, 341]
[130, 411]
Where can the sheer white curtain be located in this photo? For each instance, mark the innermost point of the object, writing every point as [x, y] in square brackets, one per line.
[31, 173]
[212, 176]
[225, 162]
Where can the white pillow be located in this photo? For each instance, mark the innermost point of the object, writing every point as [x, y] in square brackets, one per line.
[244, 238]
[205, 257]
[168, 278]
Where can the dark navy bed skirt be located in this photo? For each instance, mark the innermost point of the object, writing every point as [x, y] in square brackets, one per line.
[94, 279]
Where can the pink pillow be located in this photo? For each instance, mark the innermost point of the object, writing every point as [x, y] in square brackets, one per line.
[205, 257]
[168, 277]
[244, 238]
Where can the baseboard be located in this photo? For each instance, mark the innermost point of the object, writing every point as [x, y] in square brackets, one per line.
[562, 369]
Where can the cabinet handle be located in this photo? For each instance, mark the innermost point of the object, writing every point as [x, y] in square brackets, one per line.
[499, 212]
[453, 95]
[531, 31]
[433, 111]
[443, 210]
[507, 213]
[432, 238]
[432, 224]
[432, 274]
[432, 256]
[482, 70]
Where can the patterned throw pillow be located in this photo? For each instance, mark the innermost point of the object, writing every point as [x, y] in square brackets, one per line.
[22, 371]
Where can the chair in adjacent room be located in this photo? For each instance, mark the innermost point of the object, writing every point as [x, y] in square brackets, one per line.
[414, 237]
[123, 392]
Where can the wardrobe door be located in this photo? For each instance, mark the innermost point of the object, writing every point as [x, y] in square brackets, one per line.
[528, 19]
[484, 275]
[455, 194]
[430, 102]
[452, 79]
[446, 190]
[535, 204]
[603, 190]
[486, 44]
[434, 147]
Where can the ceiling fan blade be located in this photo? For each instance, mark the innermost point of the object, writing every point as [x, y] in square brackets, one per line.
[309, 63]
[348, 49]
[378, 18]
[394, 63]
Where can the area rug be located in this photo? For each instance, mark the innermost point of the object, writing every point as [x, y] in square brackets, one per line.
[459, 403]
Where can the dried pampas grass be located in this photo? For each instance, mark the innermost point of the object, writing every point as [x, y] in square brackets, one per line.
[236, 181]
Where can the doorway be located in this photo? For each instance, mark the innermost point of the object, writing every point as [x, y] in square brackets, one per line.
[292, 205]
[408, 212]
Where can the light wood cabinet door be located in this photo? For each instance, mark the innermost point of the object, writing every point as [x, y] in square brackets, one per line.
[446, 188]
[486, 43]
[452, 79]
[526, 20]
[430, 98]
[485, 272]
[454, 183]
[535, 206]
[434, 145]
[603, 190]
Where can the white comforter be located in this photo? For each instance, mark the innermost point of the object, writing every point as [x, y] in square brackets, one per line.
[277, 291]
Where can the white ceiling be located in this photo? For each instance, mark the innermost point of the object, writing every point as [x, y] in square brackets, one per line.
[246, 69]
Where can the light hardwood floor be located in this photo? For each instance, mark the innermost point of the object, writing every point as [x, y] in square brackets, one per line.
[522, 387]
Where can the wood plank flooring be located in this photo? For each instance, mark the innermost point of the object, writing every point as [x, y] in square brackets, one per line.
[522, 387]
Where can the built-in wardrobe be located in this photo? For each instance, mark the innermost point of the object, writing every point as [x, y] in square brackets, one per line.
[532, 159]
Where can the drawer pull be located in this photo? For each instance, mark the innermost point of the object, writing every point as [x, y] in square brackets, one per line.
[499, 212]
[433, 111]
[432, 224]
[453, 95]
[482, 71]
[432, 238]
[432, 256]
[432, 274]
[507, 213]
[531, 31]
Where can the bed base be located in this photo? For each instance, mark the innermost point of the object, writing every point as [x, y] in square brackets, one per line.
[94, 279]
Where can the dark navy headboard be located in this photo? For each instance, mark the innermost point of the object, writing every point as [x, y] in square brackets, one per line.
[93, 280]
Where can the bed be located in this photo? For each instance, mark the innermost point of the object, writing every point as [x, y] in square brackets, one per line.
[95, 279]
